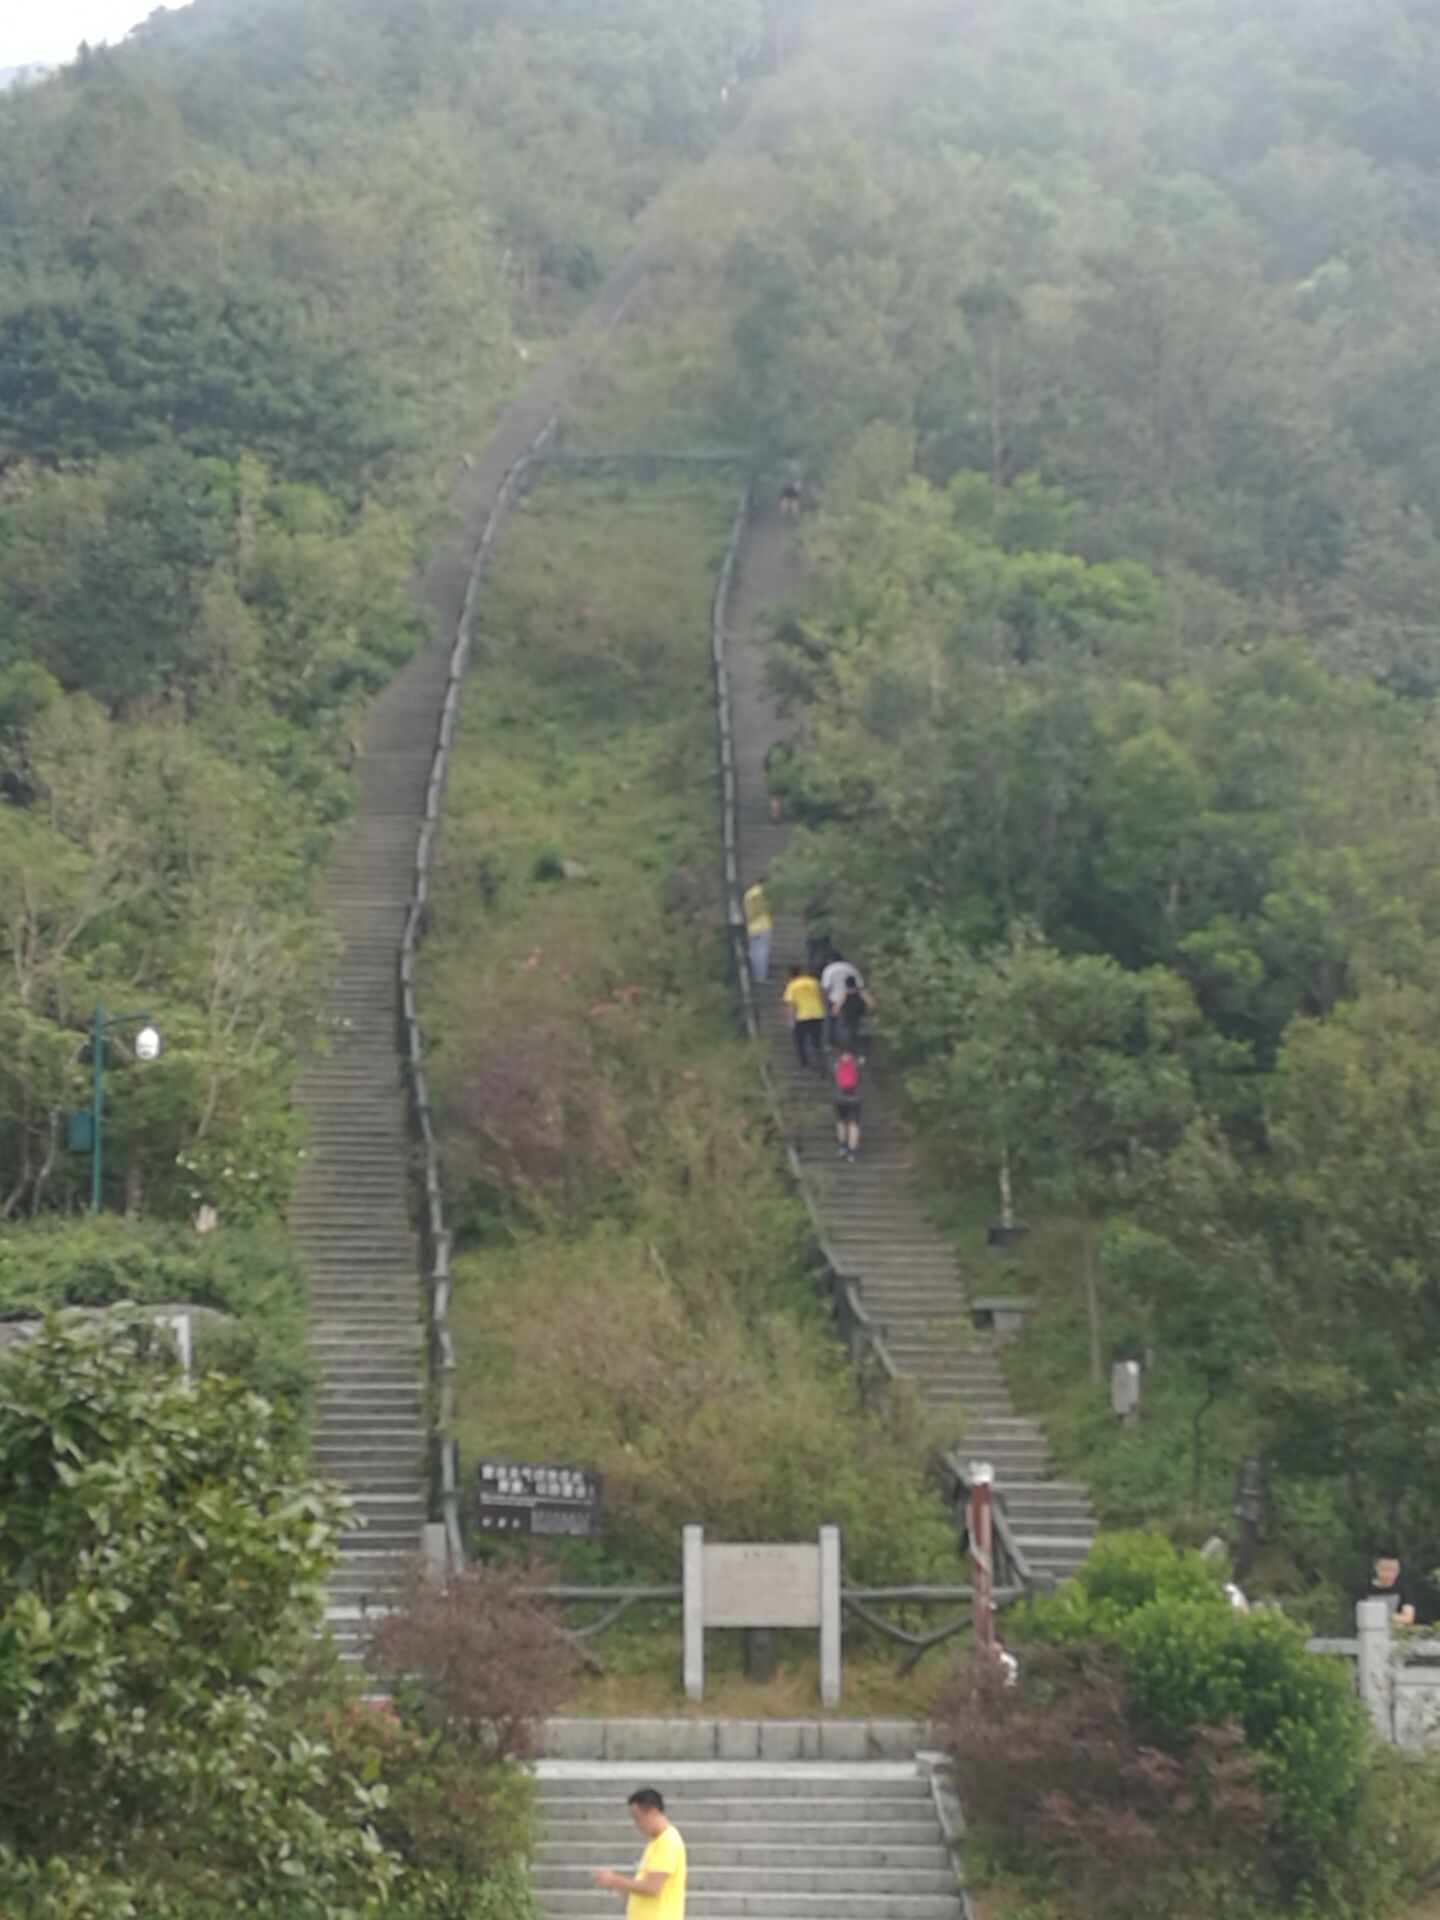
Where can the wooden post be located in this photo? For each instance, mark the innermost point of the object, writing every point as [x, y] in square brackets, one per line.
[980, 1520]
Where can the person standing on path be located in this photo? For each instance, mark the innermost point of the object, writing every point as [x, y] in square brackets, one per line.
[656, 1889]
[807, 1015]
[759, 930]
[847, 1105]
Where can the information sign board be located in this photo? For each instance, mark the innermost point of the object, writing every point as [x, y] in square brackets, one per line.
[528, 1497]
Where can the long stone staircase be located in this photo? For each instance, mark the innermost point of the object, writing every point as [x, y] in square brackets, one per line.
[351, 1214]
[801, 1841]
[910, 1279]
[351, 1217]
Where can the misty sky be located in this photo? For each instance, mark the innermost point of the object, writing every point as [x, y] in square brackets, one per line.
[52, 29]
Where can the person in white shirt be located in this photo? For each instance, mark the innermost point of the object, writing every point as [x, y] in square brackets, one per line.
[834, 979]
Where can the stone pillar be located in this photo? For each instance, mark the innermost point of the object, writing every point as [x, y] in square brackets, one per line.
[1372, 1626]
[830, 1644]
[434, 1552]
[692, 1579]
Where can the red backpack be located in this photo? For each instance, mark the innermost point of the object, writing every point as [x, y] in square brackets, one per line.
[847, 1075]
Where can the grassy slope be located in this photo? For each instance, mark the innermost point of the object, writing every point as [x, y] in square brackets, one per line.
[587, 746]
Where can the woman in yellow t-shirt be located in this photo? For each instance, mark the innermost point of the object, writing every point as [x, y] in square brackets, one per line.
[807, 1015]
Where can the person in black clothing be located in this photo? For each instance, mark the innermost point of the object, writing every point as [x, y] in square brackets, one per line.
[852, 1016]
[1388, 1582]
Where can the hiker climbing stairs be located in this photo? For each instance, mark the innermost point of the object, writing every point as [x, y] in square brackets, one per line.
[796, 1841]
[910, 1280]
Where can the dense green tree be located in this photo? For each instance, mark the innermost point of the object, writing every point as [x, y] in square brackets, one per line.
[1069, 1075]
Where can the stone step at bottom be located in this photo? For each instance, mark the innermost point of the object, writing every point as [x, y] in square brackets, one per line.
[711, 1881]
[764, 1856]
[773, 1906]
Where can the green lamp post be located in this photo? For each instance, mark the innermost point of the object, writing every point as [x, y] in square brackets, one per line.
[91, 1138]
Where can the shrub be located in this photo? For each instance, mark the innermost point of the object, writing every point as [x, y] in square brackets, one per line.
[453, 1812]
[1056, 1767]
[161, 1561]
[477, 1657]
[691, 1401]
[534, 1119]
[249, 1274]
[1121, 1573]
[1190, 1661]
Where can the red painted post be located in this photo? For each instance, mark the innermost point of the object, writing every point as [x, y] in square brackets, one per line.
[981, 1527]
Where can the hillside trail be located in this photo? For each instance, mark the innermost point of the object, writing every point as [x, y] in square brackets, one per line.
[910, 1279]
[352, 1217]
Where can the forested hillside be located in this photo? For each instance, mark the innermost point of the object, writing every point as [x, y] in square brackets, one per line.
[1107, 347]
[266, 274]
[1103, 334]
[263, 271]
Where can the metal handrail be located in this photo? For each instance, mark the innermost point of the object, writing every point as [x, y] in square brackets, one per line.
[863, 1336]
[435, 1234]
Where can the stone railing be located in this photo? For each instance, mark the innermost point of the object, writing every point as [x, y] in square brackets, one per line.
[1397, 1676]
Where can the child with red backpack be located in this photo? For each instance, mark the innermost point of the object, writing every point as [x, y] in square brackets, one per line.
[846, 1076]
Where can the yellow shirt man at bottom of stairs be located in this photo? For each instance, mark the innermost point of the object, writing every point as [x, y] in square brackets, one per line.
[656, 1890]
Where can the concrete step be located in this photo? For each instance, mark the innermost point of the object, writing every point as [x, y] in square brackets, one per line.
[816, 1879]
[810, 1805]
[766, 1856]
[705, 1784]
[772, 1906]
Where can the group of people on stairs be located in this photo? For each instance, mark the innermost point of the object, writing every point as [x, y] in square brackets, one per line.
[826, 1000]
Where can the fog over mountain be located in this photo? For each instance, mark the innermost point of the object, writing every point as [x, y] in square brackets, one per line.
[22, 76]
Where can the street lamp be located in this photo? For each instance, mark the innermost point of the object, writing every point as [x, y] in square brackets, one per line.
[148, 1046]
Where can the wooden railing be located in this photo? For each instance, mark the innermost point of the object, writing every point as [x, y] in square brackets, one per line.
[434, 1229]
[861, 1602]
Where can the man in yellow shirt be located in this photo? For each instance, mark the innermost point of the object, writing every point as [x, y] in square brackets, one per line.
[759, 927]
[656, 1890]
[807, 1015]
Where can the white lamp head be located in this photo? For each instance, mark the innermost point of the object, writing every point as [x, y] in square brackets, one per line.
[148, 1043]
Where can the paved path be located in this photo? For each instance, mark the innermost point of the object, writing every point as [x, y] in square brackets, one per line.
[911, 1282]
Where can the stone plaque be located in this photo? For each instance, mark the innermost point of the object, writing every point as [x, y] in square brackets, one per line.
[762, 1586]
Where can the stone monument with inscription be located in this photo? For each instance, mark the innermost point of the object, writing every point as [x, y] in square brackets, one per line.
[741, 1584]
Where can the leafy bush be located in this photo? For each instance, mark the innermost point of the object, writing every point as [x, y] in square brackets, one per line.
[179, 1740]
[1189, 1661]
[478, 1658]
[253, 1276]
[1056, 1773]
[161, 1560]
[1121, 1573]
